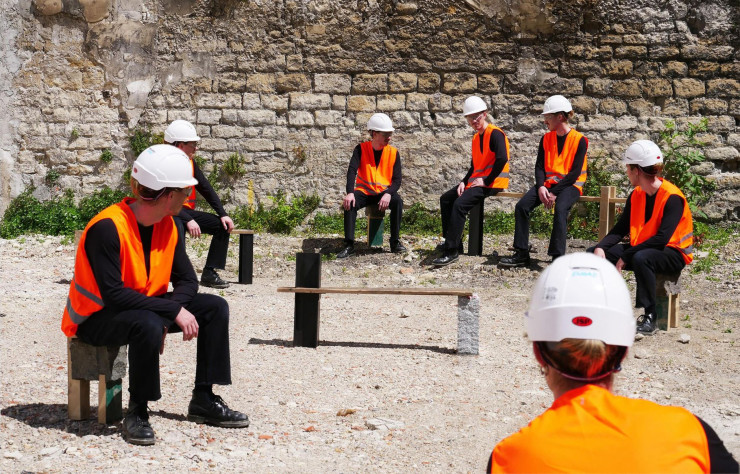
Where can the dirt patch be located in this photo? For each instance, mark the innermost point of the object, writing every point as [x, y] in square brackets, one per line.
[387, 358]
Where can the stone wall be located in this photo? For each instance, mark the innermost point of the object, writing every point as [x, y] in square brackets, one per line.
[289, 84]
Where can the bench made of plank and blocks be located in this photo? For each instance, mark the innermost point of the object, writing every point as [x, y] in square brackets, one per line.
[308, 293]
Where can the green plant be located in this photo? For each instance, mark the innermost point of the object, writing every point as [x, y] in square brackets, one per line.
[300, 154]
[681, 151]
[57, 216]
[282, 218]
[52, 176]
[106, 156]
[126, 176]
[328, 224]
[234, 166]
[418, 220]
[199, 161]
[75, 134]
[142, 139]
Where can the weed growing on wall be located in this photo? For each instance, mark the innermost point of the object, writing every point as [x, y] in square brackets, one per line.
[234, 166]
[106, 156]
[141, 139]
[682, 150]
[52, 177]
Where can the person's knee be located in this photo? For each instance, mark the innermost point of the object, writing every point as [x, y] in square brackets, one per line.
[641, 260]
[217, 305]
[147, 328]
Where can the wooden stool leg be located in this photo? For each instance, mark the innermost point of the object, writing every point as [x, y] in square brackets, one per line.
[246, 258]
[475, 230]
[109, 400]
[306, 316]
[78, 393]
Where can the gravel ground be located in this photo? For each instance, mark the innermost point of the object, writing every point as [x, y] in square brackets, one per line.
[389, 357]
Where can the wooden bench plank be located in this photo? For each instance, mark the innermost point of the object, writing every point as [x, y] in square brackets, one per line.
[242, 231]
[377, 291]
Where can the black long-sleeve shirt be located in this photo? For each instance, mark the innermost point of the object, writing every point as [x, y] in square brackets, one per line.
[497, 144]
[672, 212]
[103, 248]
[206, 190]
[354, 165]
[575, 170]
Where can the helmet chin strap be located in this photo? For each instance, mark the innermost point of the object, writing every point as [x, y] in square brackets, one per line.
[617, 367]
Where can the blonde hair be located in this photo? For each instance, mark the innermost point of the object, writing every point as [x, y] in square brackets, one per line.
[582, 361]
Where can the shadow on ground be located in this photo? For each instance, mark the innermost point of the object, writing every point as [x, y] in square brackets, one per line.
[369, 345]
[53, 416]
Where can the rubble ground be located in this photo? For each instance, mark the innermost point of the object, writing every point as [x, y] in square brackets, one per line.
[384, 391]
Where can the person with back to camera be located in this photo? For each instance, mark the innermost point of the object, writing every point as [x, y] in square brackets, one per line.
[658, 221]
[373, 177]
[559, 173]
[126, 258]
[488, 174]
[580, 324]
[182, 134]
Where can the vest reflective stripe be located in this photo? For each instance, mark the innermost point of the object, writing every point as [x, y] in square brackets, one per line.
[84, 296]
[371, 179]
[483, 162]
[589, 429]
[557, 166]
[190, 201]
[682, 238]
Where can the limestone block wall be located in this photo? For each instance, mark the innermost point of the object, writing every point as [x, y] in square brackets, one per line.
[289, 84]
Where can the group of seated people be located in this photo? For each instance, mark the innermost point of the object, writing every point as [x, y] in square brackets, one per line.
[657, 217]
[580, 318]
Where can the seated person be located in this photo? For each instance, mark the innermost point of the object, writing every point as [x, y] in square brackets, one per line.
[580, 324]
[373, 177]
[126, 258]
[559, 174]
[658, 221]
[488, 174]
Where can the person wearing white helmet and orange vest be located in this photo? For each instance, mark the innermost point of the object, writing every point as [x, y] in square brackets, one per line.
[182, 134]
[373, 177]
[488, 174]
[581, 326]
[126, 258]
[559, 173]
[658, 221]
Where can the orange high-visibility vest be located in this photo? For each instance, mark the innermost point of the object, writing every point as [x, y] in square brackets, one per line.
[588, 429]
[84, 295]
[190, 201]
[483, 162]
[682, 238]
[559, 165]
[371, 179]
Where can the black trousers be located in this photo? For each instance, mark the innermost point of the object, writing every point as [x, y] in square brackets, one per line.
[454, 210]
[528, 203]
[142, 331]
[363, 200]
[645, 264]
[211, 224]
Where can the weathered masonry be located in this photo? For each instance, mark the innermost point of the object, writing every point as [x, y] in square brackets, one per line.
[289, 84]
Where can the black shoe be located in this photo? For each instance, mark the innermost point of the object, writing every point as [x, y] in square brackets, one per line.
[398, 248]
[445, 259]
[136, 427]
[210, 278]
[346, 251]
[519, 259]
[647, 324]
[211, 409]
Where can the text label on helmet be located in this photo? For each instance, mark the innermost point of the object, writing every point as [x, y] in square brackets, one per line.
[582, 321]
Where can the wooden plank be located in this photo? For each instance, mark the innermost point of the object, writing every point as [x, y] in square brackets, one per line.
[582, 198]
[242, 231]
[378, 291]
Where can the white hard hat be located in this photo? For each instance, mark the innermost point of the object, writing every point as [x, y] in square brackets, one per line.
[163, 166]
[643, 153]
[181, 131]
[556, 103]
[473, 105]
[380, 123]
[581, 296]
